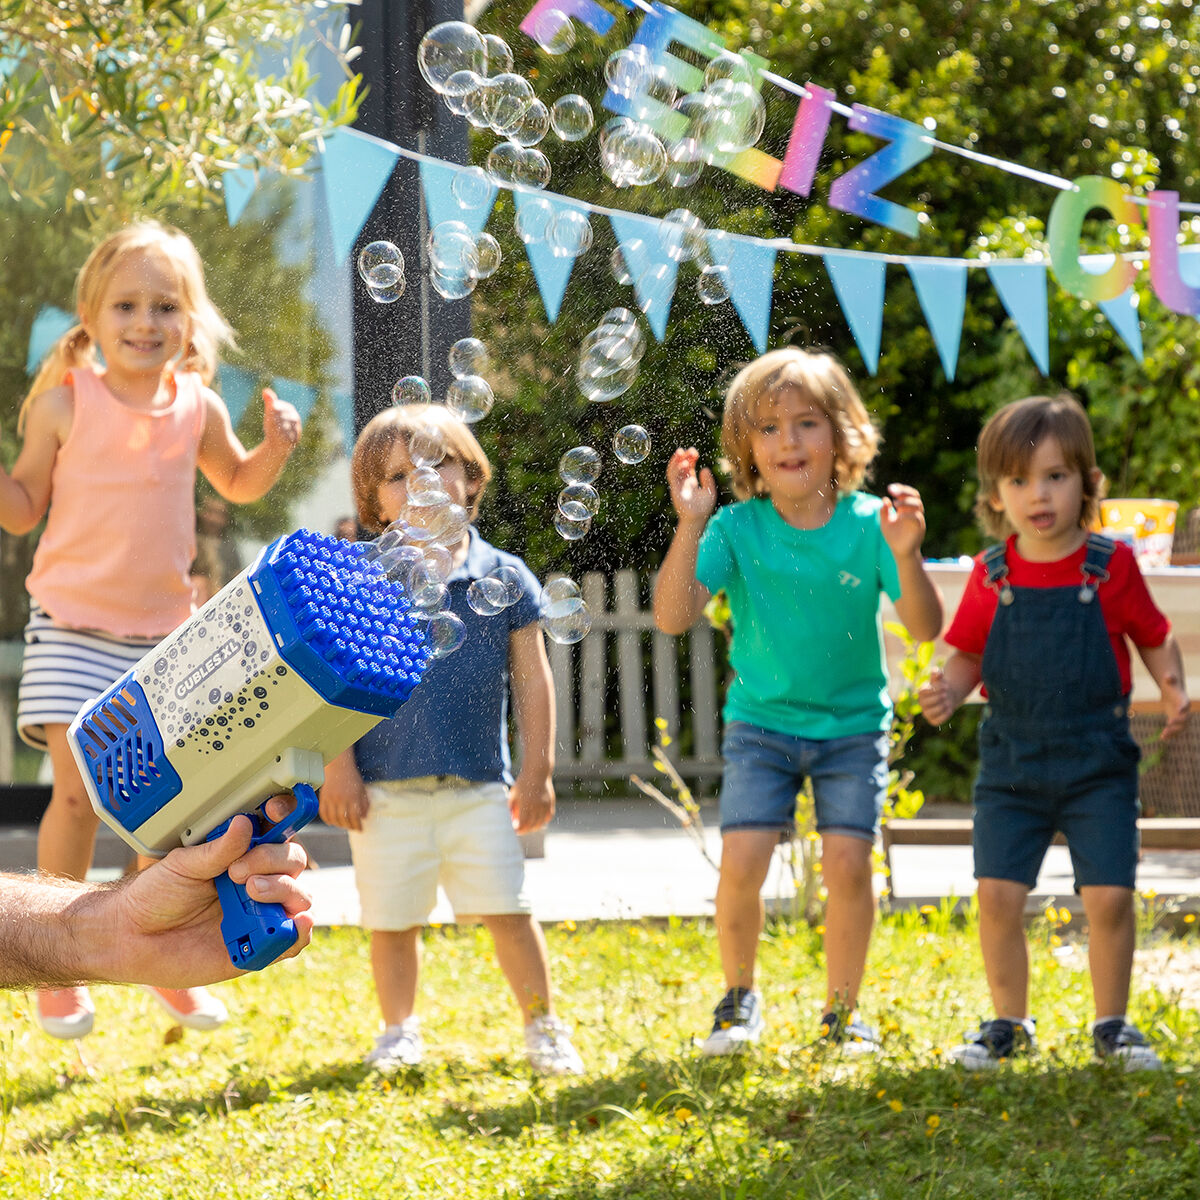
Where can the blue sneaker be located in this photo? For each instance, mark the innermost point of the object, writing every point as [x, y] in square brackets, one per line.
[851, 1036]
[737, 1023]
[1125, 1044]
[996, 1041]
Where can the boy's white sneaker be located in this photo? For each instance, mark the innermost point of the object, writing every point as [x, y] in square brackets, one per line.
[1118, 1041]
[397, 1047]
[548, 1048]
[737, 1023]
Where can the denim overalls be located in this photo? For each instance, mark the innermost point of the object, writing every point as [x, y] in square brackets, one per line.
[1054, 746]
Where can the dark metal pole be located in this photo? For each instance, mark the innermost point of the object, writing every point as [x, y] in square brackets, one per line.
[412, 336]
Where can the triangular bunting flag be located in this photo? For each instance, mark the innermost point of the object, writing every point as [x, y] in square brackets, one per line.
[301, 396]
[48, 326]
[343, 408]
[942, 293]
[858, 281]
[751, 266]
[354, 169]
[648, 246]
[1123, 315]
[238, 185]
[1021, 287]
[237, 388]
[442, 203]
[552, 271]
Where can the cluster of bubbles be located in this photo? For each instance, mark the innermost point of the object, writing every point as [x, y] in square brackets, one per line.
[469, 396]
[684, 239]
[610, 356]
[381, 268]
[563, 613]
[459, 258]
[579, 468]
[665, 135]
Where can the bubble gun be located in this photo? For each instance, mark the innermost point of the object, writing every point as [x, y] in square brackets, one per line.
[290, 663]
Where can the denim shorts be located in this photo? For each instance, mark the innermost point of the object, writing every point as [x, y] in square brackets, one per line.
[764, 770]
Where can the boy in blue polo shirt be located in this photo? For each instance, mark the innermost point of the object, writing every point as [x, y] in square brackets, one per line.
[429, 797]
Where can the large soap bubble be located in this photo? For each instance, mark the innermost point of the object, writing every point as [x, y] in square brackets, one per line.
[499, 54]
[579, 501]
[486, 596]
[532, 168]
[554, 31]
[426, 443]
[685, 238]
[533, 126]
[458, 87]
[468, 356]
[571, 117]
[728, 65]
[471, 187]
[571, 528]
[449, 47]
[631, 444]
[737, 120]
[503, 160]
[470, 398]
[387, 293]
[508, 100]
[452, 285]
[712, 284]
[380, 264]
[533, 218]
[487, 256]
[412, 389]
[633, 156]
[570, 233]
[566, 619]
[627, 70]
[444, 633]
[580, 464]
[451, 247]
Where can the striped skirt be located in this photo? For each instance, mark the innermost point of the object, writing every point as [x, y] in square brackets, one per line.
[64, 669]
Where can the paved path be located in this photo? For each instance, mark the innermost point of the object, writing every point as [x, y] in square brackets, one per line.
[629, 859]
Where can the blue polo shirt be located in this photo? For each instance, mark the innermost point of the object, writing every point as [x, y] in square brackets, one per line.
[455, 722]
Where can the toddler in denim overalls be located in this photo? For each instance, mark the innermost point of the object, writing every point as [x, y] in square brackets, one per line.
[1043, 624]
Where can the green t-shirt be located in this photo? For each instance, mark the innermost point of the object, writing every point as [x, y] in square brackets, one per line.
[807, 647]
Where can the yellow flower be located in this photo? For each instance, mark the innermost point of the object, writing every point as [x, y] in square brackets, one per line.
[1051, 914]
[1064, 915]
[879, 1095]
[1189, 918]
[927, 909]
[660, 722]
[1004, 1115]
[896, 1105]
[933, 1121]
[683, 1115]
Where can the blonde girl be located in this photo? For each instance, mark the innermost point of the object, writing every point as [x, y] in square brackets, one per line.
[118, 420]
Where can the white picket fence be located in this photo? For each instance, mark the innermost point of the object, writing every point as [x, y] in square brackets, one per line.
[609, 667]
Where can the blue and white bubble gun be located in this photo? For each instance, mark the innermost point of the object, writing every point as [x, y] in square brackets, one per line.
[286, 666]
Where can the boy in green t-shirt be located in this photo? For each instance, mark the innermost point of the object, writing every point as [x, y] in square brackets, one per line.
[803, 559]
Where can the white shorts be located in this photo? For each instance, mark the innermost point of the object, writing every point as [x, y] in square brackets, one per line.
[438, 829]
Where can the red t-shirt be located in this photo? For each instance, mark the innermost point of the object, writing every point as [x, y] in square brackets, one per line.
[1125, 602]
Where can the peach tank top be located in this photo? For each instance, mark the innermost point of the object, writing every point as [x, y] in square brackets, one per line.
[120, 536]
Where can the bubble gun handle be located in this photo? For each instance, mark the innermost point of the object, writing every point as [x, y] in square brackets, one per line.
[257, 934]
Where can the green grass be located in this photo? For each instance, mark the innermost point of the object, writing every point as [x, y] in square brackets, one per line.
[277, 1103]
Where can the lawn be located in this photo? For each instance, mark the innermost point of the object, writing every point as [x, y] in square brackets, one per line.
[277, 1103]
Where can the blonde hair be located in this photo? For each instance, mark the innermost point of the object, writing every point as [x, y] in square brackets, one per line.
[822, 381]
[1008, 441]
[368, 465]
[207, 327]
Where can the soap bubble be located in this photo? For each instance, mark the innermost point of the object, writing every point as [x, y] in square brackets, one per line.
[508, 100]
[631, 444]
[380, 264]
[633, 157]
[423, 483]
[426, 592]
[438, 562]
[387, 293]
[554, 31]
[571, 529]
[561, 587]
[447, 524]
[458, 87]
[426, 443]
[566, 621]
[471, 187]
[474, 105]
[468, 356]
[728, 65]
[570, 233]
[532, 168]
[712, 284]
[571, 118]
[684, 235]
[449, 47]
[487, 256]
[656, 95]
[627, 70]
[444, 633]
[499, 55]
[533, 218]
[412, 389]
[486, 596]
[579, 465]
[599, 380]
[512, 585]
[533, 126]
[578, 501]
[451, 247]
[609, 356]
[452, 285]
[685, 162]
[470, 398]
[622, 323]
[502, 161]
[619, 261]
[739, 117]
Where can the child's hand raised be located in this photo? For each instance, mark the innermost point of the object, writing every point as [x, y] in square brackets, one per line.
[281, 421]
[694, 496]
[902, 519]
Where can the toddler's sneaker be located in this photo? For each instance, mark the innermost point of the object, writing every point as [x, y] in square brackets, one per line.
[548, 1048]
[65, 1012]
[851, 1036]
[397, 1047]
[996, 1041]
[1125, 1044]
[197, 1008]
[737, 1023]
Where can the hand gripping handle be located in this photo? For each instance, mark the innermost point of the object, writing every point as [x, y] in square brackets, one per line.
[257, 934]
